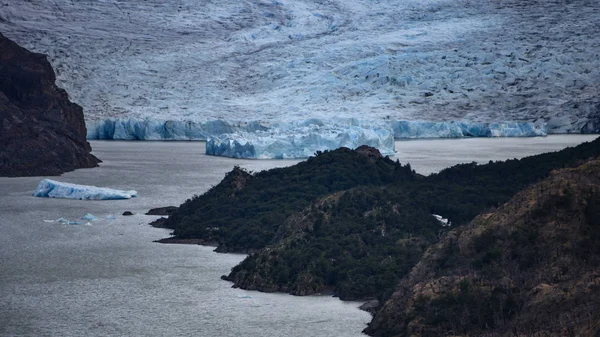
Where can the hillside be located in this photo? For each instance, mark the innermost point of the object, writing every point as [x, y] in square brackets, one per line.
[244, 211]
[530, 268]
[42, 132]
[345, 223]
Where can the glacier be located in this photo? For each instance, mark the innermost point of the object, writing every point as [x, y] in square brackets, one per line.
[460, 129]
[149, 129]
[194, 67]
[55, 189]
[302, 139]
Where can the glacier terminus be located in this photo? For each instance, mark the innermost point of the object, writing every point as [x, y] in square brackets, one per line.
[230, 70]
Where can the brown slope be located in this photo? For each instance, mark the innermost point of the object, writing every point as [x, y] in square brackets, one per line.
[531, 268]
[41, 131]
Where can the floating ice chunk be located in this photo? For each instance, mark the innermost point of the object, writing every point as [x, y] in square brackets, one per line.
[48, 221]
[74, 223]
[54, 189]
[445, 222]
[62, 220]
[111, 217]
[301, 139]
[89, 217]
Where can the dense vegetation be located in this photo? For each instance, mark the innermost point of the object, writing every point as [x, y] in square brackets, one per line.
[350, 222]
[244, 211]
[531, 268]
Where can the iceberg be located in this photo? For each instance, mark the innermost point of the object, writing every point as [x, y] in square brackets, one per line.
[55, 189]
[89, 217]
[302, 139]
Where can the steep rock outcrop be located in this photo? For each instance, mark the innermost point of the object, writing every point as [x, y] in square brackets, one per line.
[531, 268]
[41, 131]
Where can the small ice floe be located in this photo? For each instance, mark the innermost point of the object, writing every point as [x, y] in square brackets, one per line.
[110, 217]
[445, 222]
[67, 221]
[55, 189]
[89, 217]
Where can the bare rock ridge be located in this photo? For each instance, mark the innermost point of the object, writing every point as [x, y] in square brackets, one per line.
[41, 131]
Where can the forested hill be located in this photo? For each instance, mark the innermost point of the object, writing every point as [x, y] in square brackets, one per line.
[348, 221]
[243, 212]
[530, 268]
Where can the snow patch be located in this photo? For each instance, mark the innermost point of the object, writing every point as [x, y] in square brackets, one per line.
[443, 221]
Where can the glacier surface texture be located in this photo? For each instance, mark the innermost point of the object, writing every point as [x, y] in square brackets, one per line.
[55, 189]
[217, 63]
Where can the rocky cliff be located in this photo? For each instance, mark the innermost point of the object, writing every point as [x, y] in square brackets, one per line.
[41, 131]
[531, 268]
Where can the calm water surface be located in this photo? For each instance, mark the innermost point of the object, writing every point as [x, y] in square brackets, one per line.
[110, 279]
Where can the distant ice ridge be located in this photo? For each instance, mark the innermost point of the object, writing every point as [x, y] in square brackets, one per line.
[55, 189]
[301, 139]
[152, 129]
[422, 129]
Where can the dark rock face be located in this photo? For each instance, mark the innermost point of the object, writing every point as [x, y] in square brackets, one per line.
[369, 151]
[162, 210]
[41, 131]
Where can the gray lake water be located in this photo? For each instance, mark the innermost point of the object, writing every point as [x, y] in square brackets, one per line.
[110, 279]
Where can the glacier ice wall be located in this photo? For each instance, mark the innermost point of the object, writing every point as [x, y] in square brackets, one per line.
[229, 60]
[149, 129]
[422, 129]
[55, 189]
[302, 139]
